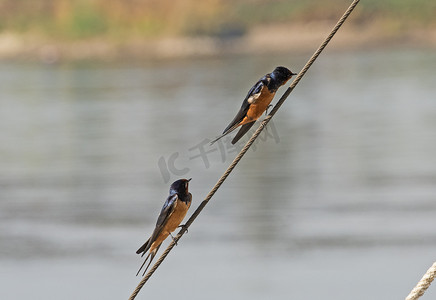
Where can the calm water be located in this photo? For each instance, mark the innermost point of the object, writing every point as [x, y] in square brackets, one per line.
[336, 202]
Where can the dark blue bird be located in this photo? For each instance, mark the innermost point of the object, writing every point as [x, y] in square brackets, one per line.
[173, 211]
[257, 101]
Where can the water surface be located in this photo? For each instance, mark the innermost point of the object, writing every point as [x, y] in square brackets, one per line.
[337, 201]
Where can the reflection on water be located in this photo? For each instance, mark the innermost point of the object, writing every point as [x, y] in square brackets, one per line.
[348, 188]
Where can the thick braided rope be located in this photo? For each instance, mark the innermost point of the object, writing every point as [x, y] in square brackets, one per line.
[244, 149]
[423, 284]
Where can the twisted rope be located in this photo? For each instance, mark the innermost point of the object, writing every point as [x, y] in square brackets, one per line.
[244, 149]
[423, 284]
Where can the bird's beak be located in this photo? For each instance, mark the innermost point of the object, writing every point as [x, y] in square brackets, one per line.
[189, 179]
[294, 73]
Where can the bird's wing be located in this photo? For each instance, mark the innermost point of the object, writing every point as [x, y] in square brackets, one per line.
[252, 95]
[242, 131]
[143, 248]
[166, 212]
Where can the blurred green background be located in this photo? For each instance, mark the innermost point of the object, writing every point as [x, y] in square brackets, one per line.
[120, 18]
[126, 25]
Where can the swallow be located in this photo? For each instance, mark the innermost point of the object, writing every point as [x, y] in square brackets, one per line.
[173, 211]
[257, 101]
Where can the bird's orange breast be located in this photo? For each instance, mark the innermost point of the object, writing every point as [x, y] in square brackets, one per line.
[173, 222]
[177, 216]
[258, 107]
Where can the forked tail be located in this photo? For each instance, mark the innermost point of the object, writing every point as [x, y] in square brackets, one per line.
[242, 131]
[226, 132]
[151, 254]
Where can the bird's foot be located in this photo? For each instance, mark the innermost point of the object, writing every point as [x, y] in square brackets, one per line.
[174, 239]
[266, 111]
[184, 227]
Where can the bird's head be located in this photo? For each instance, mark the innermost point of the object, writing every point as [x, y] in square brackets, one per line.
[180, 186]
[282, 74]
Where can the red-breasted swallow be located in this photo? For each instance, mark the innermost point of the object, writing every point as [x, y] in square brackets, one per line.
[173, 211]
[257, 101]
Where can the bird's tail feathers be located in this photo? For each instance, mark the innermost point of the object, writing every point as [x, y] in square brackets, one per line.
[151, 254]
[226, 132]
[242, 131]
[217, 138]
[143, 249]
[144, 264]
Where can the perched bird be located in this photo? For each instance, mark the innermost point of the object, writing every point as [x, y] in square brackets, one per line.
[257, 101]
[173, 211]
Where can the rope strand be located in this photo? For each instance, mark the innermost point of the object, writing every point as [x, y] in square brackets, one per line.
[423, 284]
[245, 148]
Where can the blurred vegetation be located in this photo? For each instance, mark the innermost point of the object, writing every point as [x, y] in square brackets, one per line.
[74, 19]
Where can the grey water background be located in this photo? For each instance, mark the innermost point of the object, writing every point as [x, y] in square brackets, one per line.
[341, 206]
